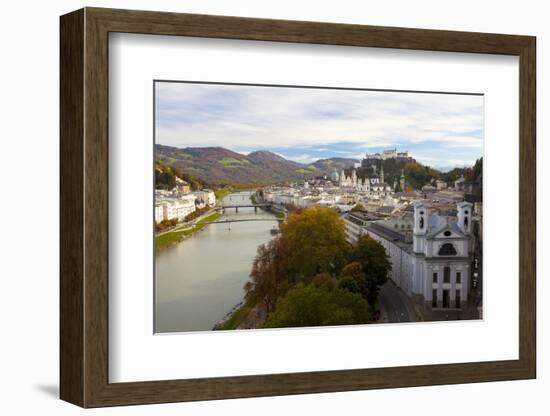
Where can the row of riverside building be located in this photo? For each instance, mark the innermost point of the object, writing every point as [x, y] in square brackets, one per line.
[178, 204]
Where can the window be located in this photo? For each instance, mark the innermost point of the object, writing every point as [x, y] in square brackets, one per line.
[434, 277]
[458, 277]
[421, 222]
[447, 249]
[434, 298]
[457, 299]
[446, 274]
[447, 233]
[445, 298]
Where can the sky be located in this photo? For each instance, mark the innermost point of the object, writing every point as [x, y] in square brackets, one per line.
[307, 124]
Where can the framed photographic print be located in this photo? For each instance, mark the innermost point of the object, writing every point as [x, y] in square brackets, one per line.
[255, 207]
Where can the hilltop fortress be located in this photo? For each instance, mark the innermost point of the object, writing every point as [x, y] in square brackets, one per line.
[386, 155]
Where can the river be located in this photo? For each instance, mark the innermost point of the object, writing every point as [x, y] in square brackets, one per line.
[199, 280]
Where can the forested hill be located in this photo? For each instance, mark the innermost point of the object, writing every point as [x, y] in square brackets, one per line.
[416, 174]
[217, 166]
[165, 178]
[220, 166]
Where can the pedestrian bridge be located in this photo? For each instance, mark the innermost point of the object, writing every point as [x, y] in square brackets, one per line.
[236, 207]
[239, 220]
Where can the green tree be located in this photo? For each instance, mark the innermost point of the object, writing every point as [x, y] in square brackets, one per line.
[349, 284]
[418, 175]
[354, 271]
[308, 305]
[324, 281]
[315, 242]
[375, 265]
[269, 275]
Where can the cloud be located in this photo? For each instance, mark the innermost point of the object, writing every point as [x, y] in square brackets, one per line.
[317, 120]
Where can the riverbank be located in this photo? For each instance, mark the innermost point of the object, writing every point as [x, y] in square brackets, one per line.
[244, 315]
[171, 237]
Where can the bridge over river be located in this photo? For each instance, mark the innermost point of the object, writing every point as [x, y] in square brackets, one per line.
[237, 206]
[239, 220]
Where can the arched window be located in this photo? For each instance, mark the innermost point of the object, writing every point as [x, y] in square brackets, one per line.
[447, 249]
[421, 223]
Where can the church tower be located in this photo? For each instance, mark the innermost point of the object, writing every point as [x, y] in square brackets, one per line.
[421, 217]
[402, 181]
[354, 178]
[382, 172]
[464, 216]
[334, 176]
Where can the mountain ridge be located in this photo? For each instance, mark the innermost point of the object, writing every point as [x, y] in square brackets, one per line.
[218, 165]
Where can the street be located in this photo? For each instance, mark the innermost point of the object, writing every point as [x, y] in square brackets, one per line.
[393, 304]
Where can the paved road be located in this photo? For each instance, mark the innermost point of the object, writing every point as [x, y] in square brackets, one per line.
[392, 304]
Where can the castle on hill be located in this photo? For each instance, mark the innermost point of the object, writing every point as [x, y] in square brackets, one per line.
[387, 154]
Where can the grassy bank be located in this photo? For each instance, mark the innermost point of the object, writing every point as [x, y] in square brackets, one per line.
[237, 317]
[169, 238]
[222, 193]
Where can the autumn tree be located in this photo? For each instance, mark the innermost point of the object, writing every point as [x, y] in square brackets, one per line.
[308, 305]
[315, 242]
[324, 280]
[371, 255]
[269, 275]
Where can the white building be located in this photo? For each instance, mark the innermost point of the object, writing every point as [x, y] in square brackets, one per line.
[431, 262]
[159, 213]
[174, 208]
[206, 196]
[440, 184]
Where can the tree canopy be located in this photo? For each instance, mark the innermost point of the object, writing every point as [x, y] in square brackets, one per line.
[372, 258]
[354, 271]
[315, 242]
[269, 275]
[309, 305]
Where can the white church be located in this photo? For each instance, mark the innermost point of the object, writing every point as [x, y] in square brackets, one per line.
[374, 184]
[433, 268]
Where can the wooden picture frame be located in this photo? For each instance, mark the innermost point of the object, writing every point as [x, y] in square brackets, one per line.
[84, 207]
